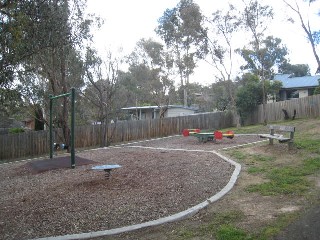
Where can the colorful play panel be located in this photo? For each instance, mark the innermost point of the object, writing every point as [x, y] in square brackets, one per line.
[207, 136]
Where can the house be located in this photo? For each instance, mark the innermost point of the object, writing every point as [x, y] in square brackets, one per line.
[296, 87]
[152, 112]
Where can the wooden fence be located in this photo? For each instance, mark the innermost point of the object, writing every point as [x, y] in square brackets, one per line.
[307, 107]
[31, 144]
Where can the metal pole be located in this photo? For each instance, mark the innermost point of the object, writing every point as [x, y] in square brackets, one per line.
[59, 96]
[50, 127]
[73, 162]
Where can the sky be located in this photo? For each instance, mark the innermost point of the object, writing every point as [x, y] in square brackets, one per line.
[128, 21]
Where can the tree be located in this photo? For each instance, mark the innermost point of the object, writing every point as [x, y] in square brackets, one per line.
[249, 95]
[102, 88]
[224, 95]
[47, 36]
[271, 54]
[150, 68]
[182, 30]
[225, 26]
[298, 70]
[313, 36]
[255, 18]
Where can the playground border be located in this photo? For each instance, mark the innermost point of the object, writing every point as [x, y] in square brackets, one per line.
[175, 217]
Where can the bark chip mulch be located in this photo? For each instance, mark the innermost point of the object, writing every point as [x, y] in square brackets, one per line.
[152, 183]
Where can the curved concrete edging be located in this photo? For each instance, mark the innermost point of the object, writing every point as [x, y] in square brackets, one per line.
[175, 217]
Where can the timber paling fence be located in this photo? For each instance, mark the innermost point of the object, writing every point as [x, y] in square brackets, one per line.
[307, 107]
[32, 144]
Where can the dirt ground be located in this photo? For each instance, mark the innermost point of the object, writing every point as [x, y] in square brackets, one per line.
[158, 178]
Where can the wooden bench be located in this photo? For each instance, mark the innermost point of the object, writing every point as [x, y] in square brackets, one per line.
[279, 137]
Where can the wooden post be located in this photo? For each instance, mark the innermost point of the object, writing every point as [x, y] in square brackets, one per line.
[271, 139]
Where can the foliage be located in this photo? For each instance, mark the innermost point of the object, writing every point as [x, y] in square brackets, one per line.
[182, 30]
[101, 92]
[270, 53]
[298, 70]
[249, 95]
[224, 26]
[223, 93]
[150, 68]
[317, 90]
[10, 100]
[273, 89]
[16, 130]
[40, 48]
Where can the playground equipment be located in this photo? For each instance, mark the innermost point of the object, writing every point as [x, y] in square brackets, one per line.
[208, 136]
[188, 132]
[106, 168]
[72, 151]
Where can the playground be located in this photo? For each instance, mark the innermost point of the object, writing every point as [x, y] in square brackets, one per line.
[157, 178]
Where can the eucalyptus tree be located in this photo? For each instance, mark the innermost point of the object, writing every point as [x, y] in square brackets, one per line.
[313, 36]
[102, 78]
[182, 29]
[256, 18]
[298, 70]
[46, 38]
[224, 26]
[270, 56]
[150, 67]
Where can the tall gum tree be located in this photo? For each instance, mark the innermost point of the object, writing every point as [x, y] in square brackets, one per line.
[224, 25]
[45, 36]
[182, 30]
[255, 20]
[151, 67]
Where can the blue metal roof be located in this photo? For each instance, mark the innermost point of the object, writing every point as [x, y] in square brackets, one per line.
[297, 82]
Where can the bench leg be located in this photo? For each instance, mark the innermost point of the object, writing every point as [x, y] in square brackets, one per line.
[290, 145]
[270, 141]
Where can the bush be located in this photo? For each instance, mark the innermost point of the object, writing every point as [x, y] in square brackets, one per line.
[16, 130]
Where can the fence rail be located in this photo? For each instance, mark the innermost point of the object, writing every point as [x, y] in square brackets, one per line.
[31, 144]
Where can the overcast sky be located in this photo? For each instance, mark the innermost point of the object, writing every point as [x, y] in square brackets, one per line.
[127, 21]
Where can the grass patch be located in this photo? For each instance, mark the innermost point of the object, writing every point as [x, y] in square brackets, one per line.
[239, 155]
[212, 228]
[287, 180]
[228, 232]
[261, 158]
[256, 170]
[308, 144]
[276, 227]
[310, 166]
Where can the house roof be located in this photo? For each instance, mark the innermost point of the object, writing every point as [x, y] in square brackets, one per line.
[157, 107]
[297, 82]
